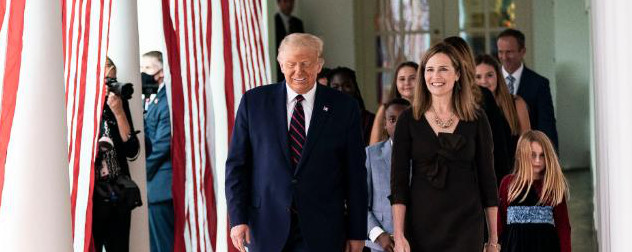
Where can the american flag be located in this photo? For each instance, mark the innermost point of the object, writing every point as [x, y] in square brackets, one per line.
[34, 203]
[216, 51]
[85, 25]
[10, 62]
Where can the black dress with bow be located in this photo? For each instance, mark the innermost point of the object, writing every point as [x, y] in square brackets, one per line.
[452, 181]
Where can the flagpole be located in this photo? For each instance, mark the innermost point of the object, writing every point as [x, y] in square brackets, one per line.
[35, 207]
[124, 51]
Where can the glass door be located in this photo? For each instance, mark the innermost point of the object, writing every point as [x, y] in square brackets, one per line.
[404, 30]
[480, 22]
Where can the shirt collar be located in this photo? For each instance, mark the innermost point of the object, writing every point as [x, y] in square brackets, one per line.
[309, 96]
[516, 74]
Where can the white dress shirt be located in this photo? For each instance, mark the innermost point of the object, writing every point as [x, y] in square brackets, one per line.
[308, 105]
[517, 74]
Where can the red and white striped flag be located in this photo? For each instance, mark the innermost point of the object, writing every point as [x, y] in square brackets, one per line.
[34, 202]
[216, 51]
[85, 35]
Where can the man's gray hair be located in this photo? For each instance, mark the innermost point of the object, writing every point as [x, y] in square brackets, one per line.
[301, 40]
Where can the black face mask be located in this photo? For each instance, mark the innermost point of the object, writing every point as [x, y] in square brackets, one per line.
[150, 85]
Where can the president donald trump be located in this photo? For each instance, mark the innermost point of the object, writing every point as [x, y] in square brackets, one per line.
[295, 176]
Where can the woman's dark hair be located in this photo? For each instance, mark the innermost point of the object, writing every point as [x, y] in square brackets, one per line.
[394, 93]
[349, 73]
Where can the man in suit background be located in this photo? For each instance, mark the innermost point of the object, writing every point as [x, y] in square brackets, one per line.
[526, 83]
[295, 175]
[158, 158]
[285, 24]
[378, 166]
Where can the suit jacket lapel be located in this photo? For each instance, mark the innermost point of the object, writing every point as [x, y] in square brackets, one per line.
[154, 103]
[524, 82]
[279, 103]
[320, 114]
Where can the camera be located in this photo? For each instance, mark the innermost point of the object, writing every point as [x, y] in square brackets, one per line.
[124, 90]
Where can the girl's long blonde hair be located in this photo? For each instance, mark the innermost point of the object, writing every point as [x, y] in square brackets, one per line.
[503, 98]
[554, 186]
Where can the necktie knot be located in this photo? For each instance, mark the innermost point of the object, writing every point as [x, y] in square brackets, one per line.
[299, 98]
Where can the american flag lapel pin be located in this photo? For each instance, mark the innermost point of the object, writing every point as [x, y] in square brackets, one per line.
[325, 108]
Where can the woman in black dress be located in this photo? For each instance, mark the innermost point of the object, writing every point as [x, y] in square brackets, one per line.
[445, 140]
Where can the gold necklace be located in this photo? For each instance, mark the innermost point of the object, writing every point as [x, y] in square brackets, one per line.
[443, 124]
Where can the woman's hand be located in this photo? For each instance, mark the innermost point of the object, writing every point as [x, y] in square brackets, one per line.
[491, 247]
[116, 104]
[401, 244]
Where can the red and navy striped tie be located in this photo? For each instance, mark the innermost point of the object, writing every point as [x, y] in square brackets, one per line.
[297, 132]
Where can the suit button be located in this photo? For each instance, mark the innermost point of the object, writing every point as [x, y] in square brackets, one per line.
[294, 181]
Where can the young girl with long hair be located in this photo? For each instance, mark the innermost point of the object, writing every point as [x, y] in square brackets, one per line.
[533, 215]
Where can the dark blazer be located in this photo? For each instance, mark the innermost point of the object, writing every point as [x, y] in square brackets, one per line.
[158, 147]
[295, 25]
[535, 90]
[328, 187]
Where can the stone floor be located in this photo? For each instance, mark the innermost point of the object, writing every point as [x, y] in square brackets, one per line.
[580, 208]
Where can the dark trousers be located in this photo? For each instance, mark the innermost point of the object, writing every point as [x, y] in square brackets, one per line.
[110, 226]
[161, 226]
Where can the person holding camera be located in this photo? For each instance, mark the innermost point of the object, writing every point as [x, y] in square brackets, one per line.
[112, 196]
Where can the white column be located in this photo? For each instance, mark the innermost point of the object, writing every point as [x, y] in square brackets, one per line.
[123, 50]
[35, 211]
[612, 40]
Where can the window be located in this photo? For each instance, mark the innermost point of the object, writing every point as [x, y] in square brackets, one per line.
[480, 22]
[402, 34]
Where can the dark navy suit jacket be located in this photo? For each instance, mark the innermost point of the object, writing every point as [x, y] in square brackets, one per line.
[158, 147]
[328, 186]
[535, 90]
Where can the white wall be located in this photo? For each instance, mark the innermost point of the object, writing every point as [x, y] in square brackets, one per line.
[542, 40]
[332, 21]
[150, 31]
[572, 75]
[560, 48]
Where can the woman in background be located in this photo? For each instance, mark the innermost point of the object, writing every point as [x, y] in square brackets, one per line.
[117, 143]
[403, 86]
[513, 107]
